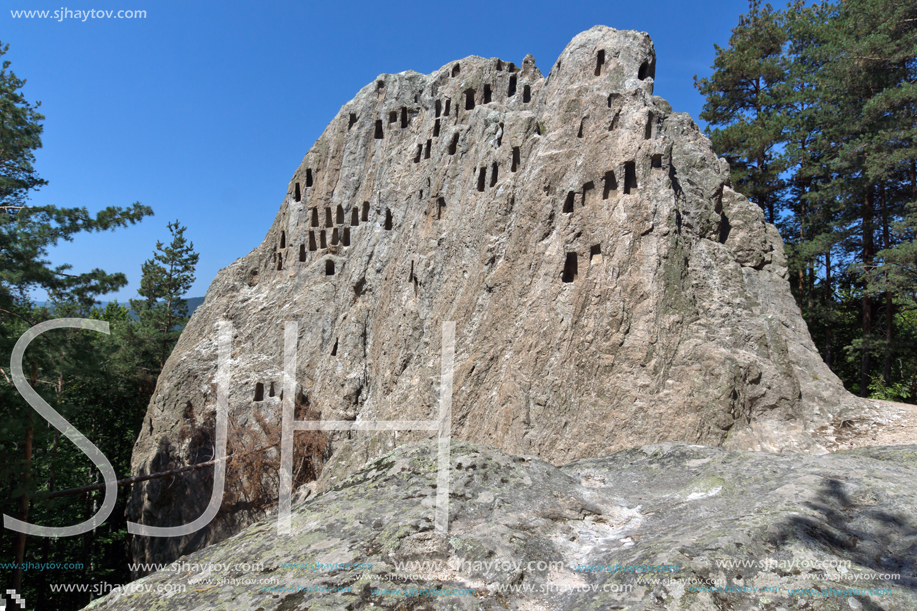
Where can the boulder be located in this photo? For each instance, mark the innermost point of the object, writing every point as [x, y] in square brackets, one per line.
[609, 289]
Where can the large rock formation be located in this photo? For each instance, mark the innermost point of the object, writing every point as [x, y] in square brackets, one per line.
[666, 526]
[609, 288]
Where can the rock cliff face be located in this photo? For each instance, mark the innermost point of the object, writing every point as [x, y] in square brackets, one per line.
[666, 526]
[608, 286]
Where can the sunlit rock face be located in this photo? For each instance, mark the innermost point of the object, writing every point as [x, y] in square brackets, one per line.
[609, 289]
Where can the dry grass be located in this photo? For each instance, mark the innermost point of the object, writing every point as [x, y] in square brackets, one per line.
[253, 472]
[253, 479]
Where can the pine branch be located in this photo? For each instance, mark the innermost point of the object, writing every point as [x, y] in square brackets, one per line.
[22, 318]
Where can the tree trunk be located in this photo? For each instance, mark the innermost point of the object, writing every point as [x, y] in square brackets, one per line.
[810, 283]
[46, 541]
[805, 289]
[88, 537]
[24, 501]
[868, 252]
[829, 310]
[889, 303]
[801, 281]
[914, 177]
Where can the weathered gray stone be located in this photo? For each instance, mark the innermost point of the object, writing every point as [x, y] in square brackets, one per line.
[744, 531]
[609, 288]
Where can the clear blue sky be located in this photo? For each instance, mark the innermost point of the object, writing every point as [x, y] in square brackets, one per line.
[203, 110]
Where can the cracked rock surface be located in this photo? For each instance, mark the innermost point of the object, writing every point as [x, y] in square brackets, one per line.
[663, 526]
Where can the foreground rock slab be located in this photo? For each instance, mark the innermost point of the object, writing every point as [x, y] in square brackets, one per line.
[664, 526]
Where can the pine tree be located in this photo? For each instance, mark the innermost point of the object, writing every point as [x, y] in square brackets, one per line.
[20, 135]
[745, 100]
[809, 224]
[28, 446]
[163, 312]
[865, 52]
[822, 126]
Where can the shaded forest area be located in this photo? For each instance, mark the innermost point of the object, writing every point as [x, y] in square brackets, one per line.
[100, 383]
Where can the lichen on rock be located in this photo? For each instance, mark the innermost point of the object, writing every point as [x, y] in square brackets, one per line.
[665, 526]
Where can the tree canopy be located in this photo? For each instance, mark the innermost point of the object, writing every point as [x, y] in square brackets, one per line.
[814, 107]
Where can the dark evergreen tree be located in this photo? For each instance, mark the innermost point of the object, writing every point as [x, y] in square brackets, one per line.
[163, 312]
[865, 92]
[814, 107]
[745, 105]
[20, 135]
[31, 450]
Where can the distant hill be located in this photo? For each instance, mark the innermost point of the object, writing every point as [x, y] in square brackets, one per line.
[193, 302]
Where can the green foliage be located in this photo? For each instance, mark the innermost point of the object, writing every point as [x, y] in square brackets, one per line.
[100, 383]
[814, 107]
[895, 392]
[163, 312]
[20, 135]
[28, 233]
[92, 391]
[746, 102]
